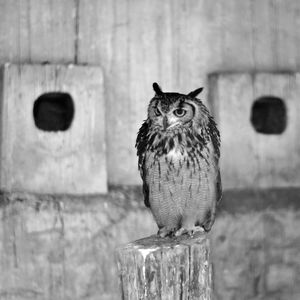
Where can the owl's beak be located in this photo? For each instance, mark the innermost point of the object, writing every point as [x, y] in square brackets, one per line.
[165, 122]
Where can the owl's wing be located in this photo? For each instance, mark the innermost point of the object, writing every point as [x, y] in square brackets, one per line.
[215, 139]
[219, 187]
[145, 188]
[141, 145]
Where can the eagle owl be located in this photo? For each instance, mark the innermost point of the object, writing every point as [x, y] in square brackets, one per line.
[178, 149]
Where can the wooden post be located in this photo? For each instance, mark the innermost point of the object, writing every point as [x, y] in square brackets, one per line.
[166, 268]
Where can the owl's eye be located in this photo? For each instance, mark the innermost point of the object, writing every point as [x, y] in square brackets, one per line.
[179, 112]
[157, 111]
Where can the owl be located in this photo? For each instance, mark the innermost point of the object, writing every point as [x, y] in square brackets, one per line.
[178, 159]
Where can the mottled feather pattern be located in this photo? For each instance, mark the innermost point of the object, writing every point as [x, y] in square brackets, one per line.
[178, 150]
[141, 145]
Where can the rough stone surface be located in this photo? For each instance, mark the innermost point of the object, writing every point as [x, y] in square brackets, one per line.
[280, 277]
[57, 162]
[256, 255]
[63, 247]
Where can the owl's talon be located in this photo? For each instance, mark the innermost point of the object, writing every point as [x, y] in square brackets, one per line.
[180, 231]
[163, 232]
[198, 229]
[189, 232]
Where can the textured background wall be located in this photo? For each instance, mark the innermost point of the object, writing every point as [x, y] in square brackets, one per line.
[62, 247]
[176, 43]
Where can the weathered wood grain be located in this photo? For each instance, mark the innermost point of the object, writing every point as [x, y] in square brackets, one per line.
[37, 31]
[34, 160]
[127, 44]
[250, 159]
[156, 268]
[176, 43]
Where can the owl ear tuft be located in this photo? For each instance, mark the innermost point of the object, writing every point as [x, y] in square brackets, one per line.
[157, 89]
[195, 93]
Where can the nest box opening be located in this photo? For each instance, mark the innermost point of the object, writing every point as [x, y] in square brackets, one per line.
[53, 111]
[268, 115]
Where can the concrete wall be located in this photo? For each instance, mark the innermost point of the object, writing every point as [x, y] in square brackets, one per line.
[62, 248]
[256, 255]
[176, 43]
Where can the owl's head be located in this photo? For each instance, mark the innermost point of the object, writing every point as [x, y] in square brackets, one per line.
[168, 111]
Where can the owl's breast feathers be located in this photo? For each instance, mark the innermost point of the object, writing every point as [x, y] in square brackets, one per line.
[189, 146]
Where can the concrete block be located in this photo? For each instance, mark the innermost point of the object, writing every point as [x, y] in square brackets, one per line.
[260, 142]
[52, 129]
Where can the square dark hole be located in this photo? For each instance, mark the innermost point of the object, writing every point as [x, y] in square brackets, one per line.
[268, 115]
[53, 111]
